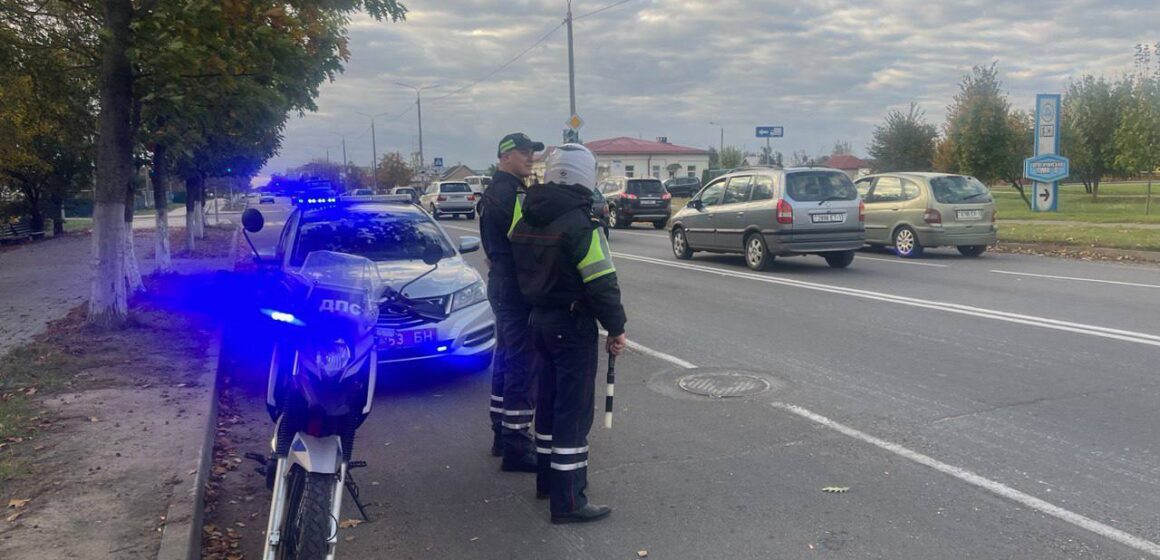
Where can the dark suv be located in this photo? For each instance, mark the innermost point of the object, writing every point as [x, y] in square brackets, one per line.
[683, 186]
[633, 199]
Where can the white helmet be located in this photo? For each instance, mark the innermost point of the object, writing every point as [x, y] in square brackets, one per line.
[571, 164]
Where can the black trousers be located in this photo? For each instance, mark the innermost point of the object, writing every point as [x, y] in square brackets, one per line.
[567, 349]
[513, 388]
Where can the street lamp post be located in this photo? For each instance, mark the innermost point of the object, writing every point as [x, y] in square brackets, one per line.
[419, 106]
[721, 147]
[374, 151]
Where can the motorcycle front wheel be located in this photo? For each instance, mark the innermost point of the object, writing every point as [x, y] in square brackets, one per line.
[306, 528]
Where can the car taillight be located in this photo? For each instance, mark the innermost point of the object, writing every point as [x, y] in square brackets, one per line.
[442, 198]
[470, 198]
[784, 212]
[666, 196]
[861, 211]
[932, 216]
[629, 196]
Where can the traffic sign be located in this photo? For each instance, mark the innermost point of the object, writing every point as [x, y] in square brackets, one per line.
[574, 122]
[438, 162]
[1046, 168]
[770, 131]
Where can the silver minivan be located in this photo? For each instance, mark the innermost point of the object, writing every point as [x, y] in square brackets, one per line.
[915, 211]
[763, 213]
[449, 197]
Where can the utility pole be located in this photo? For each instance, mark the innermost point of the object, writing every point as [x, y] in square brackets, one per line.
[720, 148]
[374, 150]
[571, 65]
[419, 106]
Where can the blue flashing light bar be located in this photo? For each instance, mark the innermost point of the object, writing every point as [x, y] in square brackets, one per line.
[441, 349]
[283, 317]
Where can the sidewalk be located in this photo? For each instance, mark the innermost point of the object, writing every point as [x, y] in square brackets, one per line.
[111, 462]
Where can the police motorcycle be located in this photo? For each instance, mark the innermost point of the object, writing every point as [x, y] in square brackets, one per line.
[321, 385]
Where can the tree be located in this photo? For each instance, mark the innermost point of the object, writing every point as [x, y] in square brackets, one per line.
[841, 147]
[1137, 139]
[322, 169]
[800, 158]
[491, 169]
[982, 133]
[731, 156]
[393, 170]
[1091, 114]
[714, 158]
[904, 142]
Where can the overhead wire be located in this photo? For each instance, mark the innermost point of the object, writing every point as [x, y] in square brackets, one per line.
[594, 12]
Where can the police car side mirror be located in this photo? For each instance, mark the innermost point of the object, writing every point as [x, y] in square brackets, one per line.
[253, 220]
[468, 244]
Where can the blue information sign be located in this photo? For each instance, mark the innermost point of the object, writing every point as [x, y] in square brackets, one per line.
[770, 132]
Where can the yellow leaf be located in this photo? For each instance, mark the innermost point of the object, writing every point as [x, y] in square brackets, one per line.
[17, 503]
[349, 523]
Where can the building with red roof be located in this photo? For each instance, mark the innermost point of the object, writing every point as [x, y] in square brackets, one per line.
[636, 157]
[853, 166]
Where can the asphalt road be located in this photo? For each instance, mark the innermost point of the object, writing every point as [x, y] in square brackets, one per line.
[998, 407]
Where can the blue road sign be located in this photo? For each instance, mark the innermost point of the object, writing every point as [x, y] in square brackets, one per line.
[770, 131]
[438, 162]
[1046, 168]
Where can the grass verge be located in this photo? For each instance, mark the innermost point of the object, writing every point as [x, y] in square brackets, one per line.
[1119, 203]
[1082, 236]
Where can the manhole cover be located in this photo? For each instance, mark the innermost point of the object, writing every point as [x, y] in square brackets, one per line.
[721, 385]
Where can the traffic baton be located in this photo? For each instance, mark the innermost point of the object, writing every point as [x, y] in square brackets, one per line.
[610, 391]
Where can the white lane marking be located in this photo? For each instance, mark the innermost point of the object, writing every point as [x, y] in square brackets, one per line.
[655, 353]
[1067, 326]
[965, 475]
[1073, 278]
[901, 261]
[658, 235]
[989, 485]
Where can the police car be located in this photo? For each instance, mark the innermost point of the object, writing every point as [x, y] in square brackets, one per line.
[443, 314]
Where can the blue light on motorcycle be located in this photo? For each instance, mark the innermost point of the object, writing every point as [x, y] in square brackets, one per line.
[441, 349]
[283, 317]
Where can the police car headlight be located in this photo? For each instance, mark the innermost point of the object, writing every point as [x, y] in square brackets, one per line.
[333, 358]
[468, 296]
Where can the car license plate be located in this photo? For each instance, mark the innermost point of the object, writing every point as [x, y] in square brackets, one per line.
[649, 202]
[391, 338]
[836, 217]
[969, 214]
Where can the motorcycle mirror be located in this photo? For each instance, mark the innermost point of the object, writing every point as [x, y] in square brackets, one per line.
[253, 220]
[432, 253]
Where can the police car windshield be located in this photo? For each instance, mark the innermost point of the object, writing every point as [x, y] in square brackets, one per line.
[378, 237]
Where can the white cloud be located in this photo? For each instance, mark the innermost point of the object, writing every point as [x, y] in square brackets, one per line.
[825, 70]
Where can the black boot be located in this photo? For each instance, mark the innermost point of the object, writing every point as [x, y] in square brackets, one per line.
[519, 452]
[496, 442]
[583, 515]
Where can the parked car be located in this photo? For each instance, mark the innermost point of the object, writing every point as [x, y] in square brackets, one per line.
[683, 186]
[600, 210]
[478, 184]
[633, 199]
[449, 197]
[764, 213]
[359, 192]
[409, 191]
[916, 211]
[455, 328]
[266, 198]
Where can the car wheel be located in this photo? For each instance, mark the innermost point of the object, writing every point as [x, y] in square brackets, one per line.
[660, 224]
[971, 250]
[906, 243]
[471, 215]
[840, 259]
[757, 254]
[681, 248]
[614, 218]
[434, 212]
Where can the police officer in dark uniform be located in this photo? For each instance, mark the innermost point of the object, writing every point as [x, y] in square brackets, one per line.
[565, 272]
[512, 384]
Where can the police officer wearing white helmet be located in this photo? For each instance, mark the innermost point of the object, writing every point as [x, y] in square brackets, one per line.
[565, 272]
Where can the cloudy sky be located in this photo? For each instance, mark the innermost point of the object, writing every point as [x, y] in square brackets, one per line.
[825, 70]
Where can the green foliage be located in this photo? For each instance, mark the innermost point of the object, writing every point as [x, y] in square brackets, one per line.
[1137, 139]
[730, 157]
[979, 126]
[1091, 113]
[393, 171]
[904, 142]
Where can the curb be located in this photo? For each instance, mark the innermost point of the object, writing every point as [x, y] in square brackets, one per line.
[181, 537]
[1105, 253]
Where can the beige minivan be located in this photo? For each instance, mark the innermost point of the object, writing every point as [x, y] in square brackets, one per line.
[916, 211]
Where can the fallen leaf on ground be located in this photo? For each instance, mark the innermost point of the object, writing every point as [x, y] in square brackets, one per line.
[93, 419]
[30, 392]
[14, 516]
[349, 523]
[350, 538]
[641, 553]
[836, 489]
[473, 539]
[18, 503]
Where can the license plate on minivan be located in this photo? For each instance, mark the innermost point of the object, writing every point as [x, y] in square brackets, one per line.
[969, 214]
[832, 218]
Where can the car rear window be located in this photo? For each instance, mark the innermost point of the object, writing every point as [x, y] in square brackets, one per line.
[646, 187]
[454, 188]
[816, 186]
[957, 188]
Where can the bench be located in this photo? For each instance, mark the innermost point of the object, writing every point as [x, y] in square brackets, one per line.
[18, 231]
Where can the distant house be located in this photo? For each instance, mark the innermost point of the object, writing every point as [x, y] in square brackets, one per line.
[457, 173]
[635, 157]
[852, 166]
